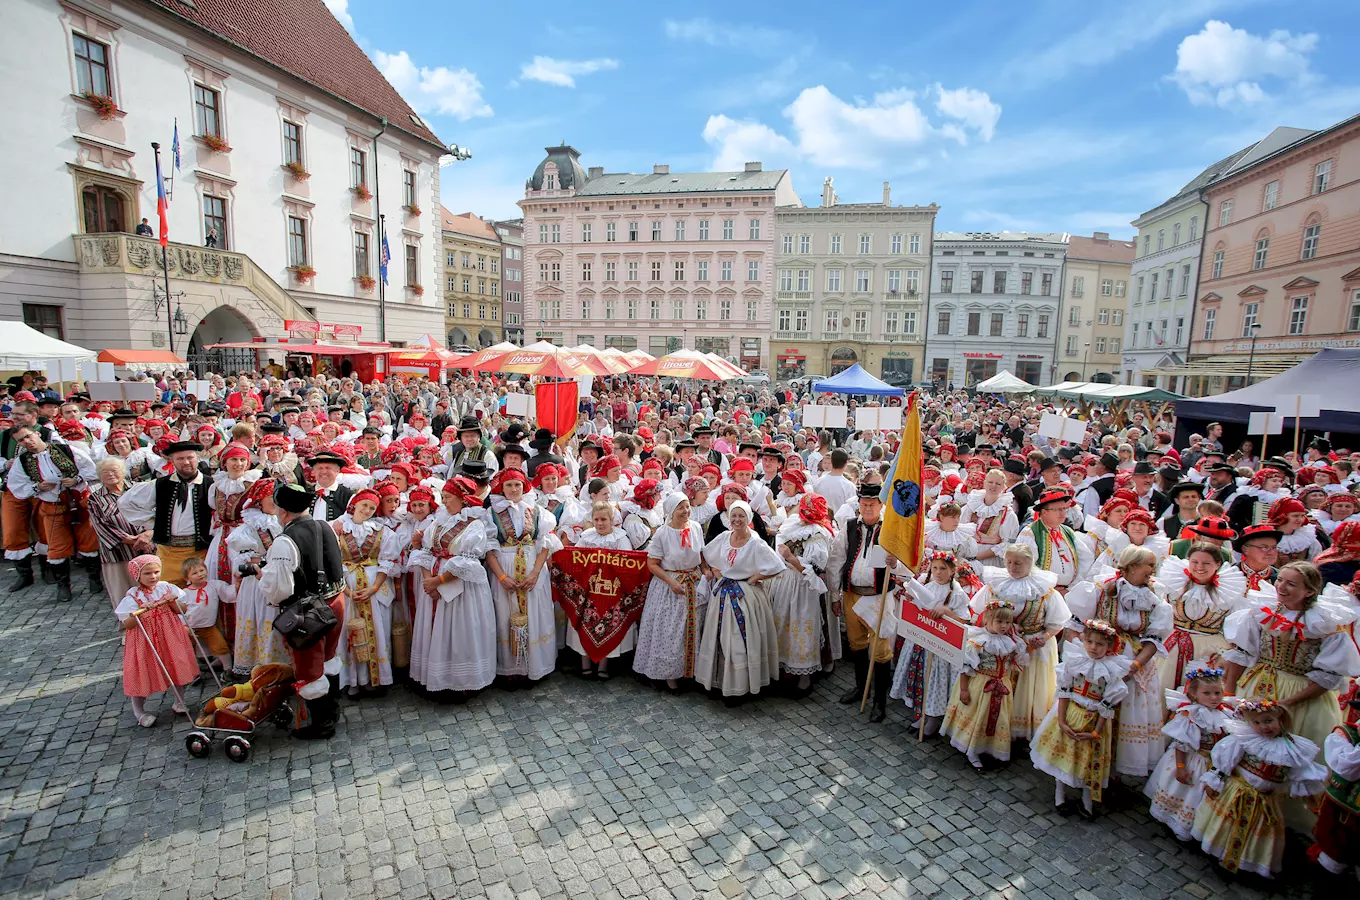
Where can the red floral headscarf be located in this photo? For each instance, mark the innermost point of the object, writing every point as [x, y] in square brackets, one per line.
[646, 492]
[1345, 545]
[365, 494]
[505, 475]
[464, 488]
[813, 510]
[258, 490]
[1280, 509]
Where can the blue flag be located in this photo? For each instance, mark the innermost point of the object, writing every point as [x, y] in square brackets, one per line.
[174, 146]
[383, 258]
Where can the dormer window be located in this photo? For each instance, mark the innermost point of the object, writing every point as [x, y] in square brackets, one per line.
[550, 183]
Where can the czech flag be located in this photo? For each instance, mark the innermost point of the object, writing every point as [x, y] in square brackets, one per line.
[161, 207]
[903, 532]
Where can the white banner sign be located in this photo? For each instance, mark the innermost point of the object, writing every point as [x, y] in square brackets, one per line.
[519, 405]
[825, 416]
[878, 418]
[1304, 406]
[123, 391]
[1265, 423]
[1062, 428]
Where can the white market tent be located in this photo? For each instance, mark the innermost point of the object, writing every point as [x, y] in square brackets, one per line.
[1005, 383]
[20, 344]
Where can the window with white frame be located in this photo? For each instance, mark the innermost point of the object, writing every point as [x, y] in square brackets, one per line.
[609, 309]
[804, 279]
[555, 272]
[1249, 317]
[729, 228]
[1298, 315]
[632, 232]
[1155, 277]
[611, 271]
[585, 232]
[1161, 239]
[804, 243]
[1311, 234]
[861, 321]
[702, 270]
[1353, 319]
[1168, 284]
[1114, 345]
[1225, 211]
[656, 270]
[725, 270]
[909, 322]
[611, 231]
[632, 270]
[752, 310]
[1071, 345]
[913, 281]
[832, 325]
[703, 229]
[1180, 329]
[890, 318]
[1322, 176]
[833, 280]
[701, 309]
[679, 229]
[753, 229]
[914, 244]
[1185, 280]
[787, 243]
[1102, 317]
[1100, 345]
[1138, 294]
[543, 232]
[1258, 258]
[786, 279]
[866, 242]
[1117, 317]
[753, 270]
[895, 245]
[1107, 287]
[679, 270]
[894, 281]
[1078, 286]
[863, 280]
[1216, 270]
[800, 320]
[656, 229]
[554, 310]
[785, 320]
[678, 308]
[1176, 235]
[835, 248]
[1074, 315]
[632, 308]
[1194, 227]
[1272, 196]
[585, 270]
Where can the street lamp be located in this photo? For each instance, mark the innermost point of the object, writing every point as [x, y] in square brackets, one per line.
[1251, 359]
[1085, 357]
[181, 321]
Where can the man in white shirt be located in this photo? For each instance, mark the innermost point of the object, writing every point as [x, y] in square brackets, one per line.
[175, 509]
[834, 486]
[56, 474]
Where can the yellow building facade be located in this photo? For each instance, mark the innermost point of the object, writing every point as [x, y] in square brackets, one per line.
[472, 281]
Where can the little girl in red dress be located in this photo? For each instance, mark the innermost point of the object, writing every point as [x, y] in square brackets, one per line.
[157, 605]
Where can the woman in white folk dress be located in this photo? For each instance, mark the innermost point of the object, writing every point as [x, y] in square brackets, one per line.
[602, 535]
[526, 631]
[371, 555]
[803, 542]
[1202, 591]
[668, 634]
[453, 637]
[739, 651]
[257, 642]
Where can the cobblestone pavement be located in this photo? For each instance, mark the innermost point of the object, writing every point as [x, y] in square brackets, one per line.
[518, 795]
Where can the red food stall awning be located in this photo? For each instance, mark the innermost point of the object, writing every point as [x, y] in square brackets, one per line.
[140, 357]
[311, 349]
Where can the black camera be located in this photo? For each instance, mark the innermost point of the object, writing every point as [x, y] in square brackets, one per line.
[248, 570]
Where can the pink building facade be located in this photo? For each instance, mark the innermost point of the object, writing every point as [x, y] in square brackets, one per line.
[1281, 261]
[652, 262]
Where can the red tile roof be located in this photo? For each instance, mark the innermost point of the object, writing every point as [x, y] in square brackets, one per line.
[467, 223]
[304, 39]
[1100, 250]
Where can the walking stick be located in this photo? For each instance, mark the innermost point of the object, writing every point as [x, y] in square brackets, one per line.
[137, 617]
[925, 689]
[203, 653]
[873, 645]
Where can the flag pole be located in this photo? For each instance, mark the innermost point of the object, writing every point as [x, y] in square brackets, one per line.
[165, 260]
[382, 281]
[874, 642]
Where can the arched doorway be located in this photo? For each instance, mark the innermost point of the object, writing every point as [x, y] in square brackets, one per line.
[1103, 378]
[1073, 376]
[457, 337]
[225, 324]
[843, 358]
[485, 338]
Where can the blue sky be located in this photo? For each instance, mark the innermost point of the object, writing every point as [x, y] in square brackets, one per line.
[1045, 116]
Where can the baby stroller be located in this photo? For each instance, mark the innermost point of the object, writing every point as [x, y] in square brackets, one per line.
[239, 710]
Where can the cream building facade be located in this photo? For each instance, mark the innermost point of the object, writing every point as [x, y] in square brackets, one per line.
[1091, 330]
[852, 281]
[472, 281]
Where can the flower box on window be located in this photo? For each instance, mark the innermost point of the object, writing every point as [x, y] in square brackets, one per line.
[413, 211]
[304, 273]
[417, 289]
[297, 170]
[367, 282]
[104, 106]
[362, 192]
[214, 143]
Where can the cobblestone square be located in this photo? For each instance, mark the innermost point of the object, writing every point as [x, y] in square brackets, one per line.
[573, 790]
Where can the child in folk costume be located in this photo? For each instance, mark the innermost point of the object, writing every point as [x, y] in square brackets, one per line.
[1137, 530]
[371, 555]
[641, 513]
[257, 642]
[922, 679]
[1202, 590]
[1074, 742]
[158, 605]
[1040, 613]
[1199, 720]
[1143, 620]
[526, 630]
[803, 542]
[1337, 833]
[602, 534]
[946, 534]
[992, 511]
[1259, 763]
[701, 508]
[978, 719]
[792, 485]
[1299, 541]
[453, 634]
[201, 599]
[739, 651]
[575, 516]
[1110, 520]
[668, 634]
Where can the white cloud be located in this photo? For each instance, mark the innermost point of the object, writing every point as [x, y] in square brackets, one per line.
[340, 9]
[739, 142]
[751, 38]
[563, 72]
[971, 107]
[830, 131]
[452, 92]
[1223, 66]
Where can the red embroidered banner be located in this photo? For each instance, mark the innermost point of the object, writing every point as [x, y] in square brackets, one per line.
[602, 592]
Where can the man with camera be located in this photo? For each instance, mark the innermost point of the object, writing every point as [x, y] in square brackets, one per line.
[302, 575]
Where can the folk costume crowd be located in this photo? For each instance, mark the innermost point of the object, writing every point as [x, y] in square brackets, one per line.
[1178, 622]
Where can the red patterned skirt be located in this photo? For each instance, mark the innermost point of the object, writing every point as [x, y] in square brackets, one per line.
[142, 675]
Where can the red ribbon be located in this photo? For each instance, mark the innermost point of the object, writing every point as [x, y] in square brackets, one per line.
[1182, 646]
[684, 537]
[1277, 621]
[998, 688]
[1212, 582]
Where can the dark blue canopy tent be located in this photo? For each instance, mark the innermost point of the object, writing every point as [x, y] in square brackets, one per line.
[855, 380]
[1331, 375]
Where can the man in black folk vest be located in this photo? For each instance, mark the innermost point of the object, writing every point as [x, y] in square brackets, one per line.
[853, 575]
[175, 508]
[332, 497]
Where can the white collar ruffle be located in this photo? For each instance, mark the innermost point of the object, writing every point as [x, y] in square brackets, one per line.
[361, 531]
[980, 508]
[1019, 590]
[1076, 661]
[1175, 582]
[1292, 750]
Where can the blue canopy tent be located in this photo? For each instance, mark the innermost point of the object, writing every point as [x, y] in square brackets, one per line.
[855, 380]
[1329, 374]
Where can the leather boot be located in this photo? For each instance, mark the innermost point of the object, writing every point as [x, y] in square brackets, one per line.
[62, 572]
[878, 707]
[94, 572]
[48, 576]
[23, 569]
[861, 660]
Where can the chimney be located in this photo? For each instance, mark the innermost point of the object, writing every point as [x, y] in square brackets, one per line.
[753, 166]
[1101, 236]
[594, 172]
[661, 170]
[887, 194]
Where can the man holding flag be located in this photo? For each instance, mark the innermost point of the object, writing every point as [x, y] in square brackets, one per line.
[888, 529]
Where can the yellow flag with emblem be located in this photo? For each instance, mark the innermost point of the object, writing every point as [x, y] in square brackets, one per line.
[903, 532]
